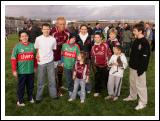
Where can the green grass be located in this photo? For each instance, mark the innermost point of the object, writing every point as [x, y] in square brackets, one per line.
[91, 107]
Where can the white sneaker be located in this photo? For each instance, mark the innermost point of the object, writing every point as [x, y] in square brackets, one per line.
[61, 95]
[31, 101]
[82, 101]
[96, 94]
[20, 104]
[129, 98]
[108, 97]
[70, 99]
[140, 106]
[115, 98]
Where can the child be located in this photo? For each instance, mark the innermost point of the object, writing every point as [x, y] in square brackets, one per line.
[100, 55]
[118, 63]
[69, 52]
[80, 77]
[138, 63]
[45, 44]
[112, 40]
[23, 64]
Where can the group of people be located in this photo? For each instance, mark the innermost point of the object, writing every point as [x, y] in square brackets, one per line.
[57, 51]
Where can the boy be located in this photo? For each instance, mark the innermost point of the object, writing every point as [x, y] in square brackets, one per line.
[23, 62]
[69, 52]
[45, 44]
[100, 55]
[118, 63]
[138, 63]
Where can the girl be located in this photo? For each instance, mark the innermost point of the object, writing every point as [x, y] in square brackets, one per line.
[80, 77]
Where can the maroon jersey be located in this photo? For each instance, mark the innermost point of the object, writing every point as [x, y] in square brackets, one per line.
[82, 70]
[101, 54]
[112, 43]
[61, 38]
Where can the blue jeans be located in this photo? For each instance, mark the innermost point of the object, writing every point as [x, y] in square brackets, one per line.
[68, 75]
[82, 84]
[42, 69]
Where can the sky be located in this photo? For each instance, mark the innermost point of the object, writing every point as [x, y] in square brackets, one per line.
[83, 12]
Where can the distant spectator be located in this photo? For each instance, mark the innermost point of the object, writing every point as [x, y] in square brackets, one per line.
[90, 31]
[148, 32]
[119, 32]
[98, 29]
[153, 38]
[34, 31]
[126, 39]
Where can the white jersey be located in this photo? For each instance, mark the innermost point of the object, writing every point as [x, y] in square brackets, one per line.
[117, 70]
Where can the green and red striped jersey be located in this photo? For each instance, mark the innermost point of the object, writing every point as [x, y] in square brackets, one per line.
[23, 58]
[69, 55]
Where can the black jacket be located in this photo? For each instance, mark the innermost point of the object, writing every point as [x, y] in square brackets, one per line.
[140, 54]
[86, 47]
[33, 33]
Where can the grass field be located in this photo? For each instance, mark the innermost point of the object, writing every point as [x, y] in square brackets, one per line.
[61, 107]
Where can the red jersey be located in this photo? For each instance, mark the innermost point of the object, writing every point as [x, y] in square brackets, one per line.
[61, 38]
[82, 70]
[101, 54]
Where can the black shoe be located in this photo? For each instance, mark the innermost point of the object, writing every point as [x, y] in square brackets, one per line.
[38, 101]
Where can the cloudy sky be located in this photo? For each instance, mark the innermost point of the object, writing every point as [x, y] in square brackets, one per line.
[83, 12]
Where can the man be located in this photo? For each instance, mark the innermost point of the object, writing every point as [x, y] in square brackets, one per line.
[61, 35]
[138, 63]
[98, 29]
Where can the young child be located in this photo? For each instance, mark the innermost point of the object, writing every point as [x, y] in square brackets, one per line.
[118, 63]
[100, 55]
[112, 40]
[80, 77]
[70, 51]
[138, 63]
[23, 61]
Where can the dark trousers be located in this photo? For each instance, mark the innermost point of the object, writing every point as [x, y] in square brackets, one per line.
[28, 81]
[152, 45]
[68, 75]
[59, 75]
[101, 78]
